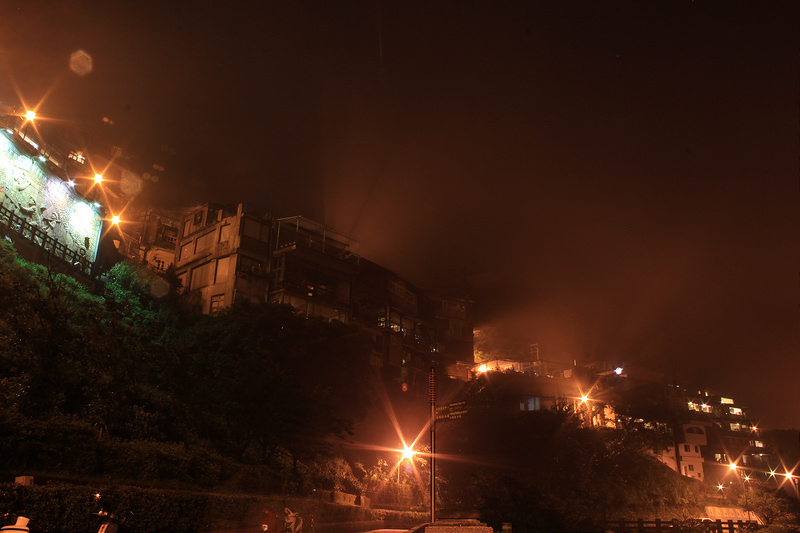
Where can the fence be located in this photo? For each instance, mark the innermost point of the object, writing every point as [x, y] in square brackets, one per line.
[680, 526]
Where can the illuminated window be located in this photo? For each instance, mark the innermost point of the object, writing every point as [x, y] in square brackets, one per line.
[735, 411]
[217, 303]
[77, 156]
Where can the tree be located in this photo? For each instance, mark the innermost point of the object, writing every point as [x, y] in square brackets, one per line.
[764, 503]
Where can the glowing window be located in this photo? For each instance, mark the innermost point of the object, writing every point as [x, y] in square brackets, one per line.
[77, 156]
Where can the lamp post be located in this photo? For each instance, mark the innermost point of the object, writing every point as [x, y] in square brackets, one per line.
[432, 394]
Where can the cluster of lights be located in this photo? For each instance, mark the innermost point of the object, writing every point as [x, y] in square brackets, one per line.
[30, 116]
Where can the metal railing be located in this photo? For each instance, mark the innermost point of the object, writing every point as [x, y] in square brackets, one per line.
[692, 525]
[23, 229]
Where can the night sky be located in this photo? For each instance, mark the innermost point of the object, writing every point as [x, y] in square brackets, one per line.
[615, 180]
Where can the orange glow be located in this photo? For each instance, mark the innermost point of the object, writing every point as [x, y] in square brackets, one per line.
[408, 452]
[115, 219]
[98, 178]
[733, 466]
[30, 115]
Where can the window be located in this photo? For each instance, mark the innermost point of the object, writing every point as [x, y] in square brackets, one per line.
[697, 449]
[159, 264]
[530, 404]
[200, 276]
[186, 251]
[225, 233]
[256, 230]
[735, 411]
[217, 303]
[687, 448]
[204, 242]
[247, 264]
[691, 468]
[222, 269]
[77, 156]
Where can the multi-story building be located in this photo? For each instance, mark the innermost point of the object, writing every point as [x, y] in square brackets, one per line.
[312, 268]
[223, 256]
[150, 236]
[691, 439]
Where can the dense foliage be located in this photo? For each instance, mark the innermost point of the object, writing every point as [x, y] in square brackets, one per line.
[101, 384]
[542, 471]
[124, 385]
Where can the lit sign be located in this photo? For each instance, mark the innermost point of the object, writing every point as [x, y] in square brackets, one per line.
[46, 204]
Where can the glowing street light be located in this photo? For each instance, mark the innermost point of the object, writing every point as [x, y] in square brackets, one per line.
[30, 115]
[407, 453]
[98, 178]
[115, 219]
[732, 466]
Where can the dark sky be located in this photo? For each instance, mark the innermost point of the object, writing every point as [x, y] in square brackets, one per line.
[619, 178]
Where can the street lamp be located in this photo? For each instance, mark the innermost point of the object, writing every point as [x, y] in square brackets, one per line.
[407, 453]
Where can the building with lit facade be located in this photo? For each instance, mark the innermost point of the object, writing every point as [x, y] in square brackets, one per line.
[50, 203]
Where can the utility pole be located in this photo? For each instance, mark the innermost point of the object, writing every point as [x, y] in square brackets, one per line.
[432, 394]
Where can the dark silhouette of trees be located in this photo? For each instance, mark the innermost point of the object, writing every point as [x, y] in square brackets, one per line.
[130, 363]
[542, 471]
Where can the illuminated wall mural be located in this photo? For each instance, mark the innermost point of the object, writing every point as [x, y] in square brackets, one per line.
[44, 208]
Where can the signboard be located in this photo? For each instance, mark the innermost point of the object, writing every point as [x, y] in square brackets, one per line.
[47, 204]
